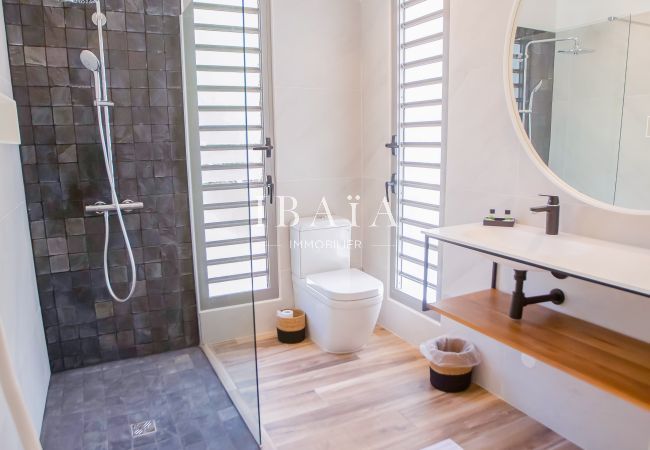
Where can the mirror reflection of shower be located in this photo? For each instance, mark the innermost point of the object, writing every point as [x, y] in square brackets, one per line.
[527, 113]
[588, 119]
[528, 98]
[102, 104]
[536, 58]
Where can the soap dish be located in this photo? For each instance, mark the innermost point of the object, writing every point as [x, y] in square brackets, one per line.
[498, 222]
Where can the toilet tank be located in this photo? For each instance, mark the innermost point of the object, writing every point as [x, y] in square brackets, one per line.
[319, 246]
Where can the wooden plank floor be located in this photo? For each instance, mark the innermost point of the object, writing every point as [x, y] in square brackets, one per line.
[378, 398]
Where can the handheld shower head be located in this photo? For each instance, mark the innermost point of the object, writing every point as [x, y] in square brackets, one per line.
[89, 60]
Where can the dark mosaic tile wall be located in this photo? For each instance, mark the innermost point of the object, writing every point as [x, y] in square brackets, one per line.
[63, 171]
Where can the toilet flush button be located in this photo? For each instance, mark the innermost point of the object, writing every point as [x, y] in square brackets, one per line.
[647, 127]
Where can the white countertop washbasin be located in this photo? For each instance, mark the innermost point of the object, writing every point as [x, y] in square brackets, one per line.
[615, 265]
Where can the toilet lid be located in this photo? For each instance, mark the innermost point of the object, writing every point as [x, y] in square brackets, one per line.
[346, 284]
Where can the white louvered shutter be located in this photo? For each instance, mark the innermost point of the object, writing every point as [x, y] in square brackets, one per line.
[228, 124]
[420, 123]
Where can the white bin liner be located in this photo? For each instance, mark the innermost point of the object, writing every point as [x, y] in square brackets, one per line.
[447, 351]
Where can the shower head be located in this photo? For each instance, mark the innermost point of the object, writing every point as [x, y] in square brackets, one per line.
[538, 87]
[576, 48]
[89, 60]
[98, 18]
[575, 51]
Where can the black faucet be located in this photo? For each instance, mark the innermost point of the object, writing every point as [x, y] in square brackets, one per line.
[552, 210]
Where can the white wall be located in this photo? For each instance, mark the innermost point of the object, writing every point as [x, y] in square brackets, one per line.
[317, 110]
[488, 168]
[20, 314]
[8, 431]
[376, 94]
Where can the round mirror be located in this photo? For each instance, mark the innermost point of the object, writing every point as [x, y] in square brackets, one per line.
[580, 75]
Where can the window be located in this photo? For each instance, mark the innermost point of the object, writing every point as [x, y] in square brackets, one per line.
[517, 73]
[420, 113]
[231, 157]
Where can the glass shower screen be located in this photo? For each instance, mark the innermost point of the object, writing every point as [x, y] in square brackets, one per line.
[229, 166]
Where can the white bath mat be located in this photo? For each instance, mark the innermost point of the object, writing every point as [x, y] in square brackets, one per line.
[447, 444]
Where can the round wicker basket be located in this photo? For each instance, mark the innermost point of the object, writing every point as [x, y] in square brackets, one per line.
[295, 323]
[450, 370]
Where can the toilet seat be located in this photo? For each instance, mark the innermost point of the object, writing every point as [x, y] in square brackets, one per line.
[345, 285]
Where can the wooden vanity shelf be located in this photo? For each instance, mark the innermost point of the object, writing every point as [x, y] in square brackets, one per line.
[608, 360]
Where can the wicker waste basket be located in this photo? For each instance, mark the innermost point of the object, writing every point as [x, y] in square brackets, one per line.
[291, 330]
[451, 362]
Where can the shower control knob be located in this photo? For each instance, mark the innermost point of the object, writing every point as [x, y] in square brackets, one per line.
[98, 211]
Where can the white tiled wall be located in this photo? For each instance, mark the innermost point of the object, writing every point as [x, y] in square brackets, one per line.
[317, 110]
[376, 81]
[19, 306]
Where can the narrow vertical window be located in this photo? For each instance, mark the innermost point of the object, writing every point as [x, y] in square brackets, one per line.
[231, 152]
[420, 115]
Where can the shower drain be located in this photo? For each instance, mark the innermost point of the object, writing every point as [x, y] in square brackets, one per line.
[143, 428]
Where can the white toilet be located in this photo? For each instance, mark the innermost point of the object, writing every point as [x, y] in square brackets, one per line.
[342, 304]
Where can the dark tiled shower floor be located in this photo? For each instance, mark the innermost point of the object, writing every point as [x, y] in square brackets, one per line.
[92, 408]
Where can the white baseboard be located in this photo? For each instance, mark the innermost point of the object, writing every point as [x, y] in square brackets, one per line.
[411, 326]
